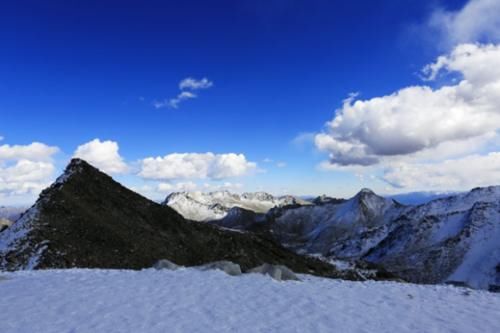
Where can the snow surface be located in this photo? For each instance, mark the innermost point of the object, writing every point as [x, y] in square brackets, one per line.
[188, 300]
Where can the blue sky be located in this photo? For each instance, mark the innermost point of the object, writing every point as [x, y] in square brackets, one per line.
[72, 72]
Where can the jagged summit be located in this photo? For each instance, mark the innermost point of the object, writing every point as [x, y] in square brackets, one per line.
[76, 167]
[366, 191]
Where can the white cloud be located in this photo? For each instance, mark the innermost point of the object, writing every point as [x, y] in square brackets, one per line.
[187, 86]
[281, 164]
[457, 174]
[478, 20]
[25, 177]
[35, 151]
[418, 119]
[196, 166]
[177, 187]
[190, 83]
[227, 186]
[174, 102]
[103, 155]
[25, 169]
[303, 140]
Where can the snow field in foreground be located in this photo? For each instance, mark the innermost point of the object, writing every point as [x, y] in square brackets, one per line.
[188, 300]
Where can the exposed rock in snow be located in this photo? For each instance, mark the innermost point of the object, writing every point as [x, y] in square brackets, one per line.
[165, 264]
[277, 272]
[224, 265]
[4, 224]
[200, 206]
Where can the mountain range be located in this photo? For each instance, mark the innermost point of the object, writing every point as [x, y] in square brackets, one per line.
[86, 219]
[453, 239]
[200, 206]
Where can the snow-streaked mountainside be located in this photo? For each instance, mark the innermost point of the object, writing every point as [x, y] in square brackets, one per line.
[334, 229]
[189, 300]
[201, 206]
[451, 239]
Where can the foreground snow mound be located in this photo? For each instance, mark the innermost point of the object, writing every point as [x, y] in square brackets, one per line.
[189, 300]
[277, 272]
[200, 206]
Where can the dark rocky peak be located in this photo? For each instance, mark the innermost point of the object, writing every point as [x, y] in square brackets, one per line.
[86, 219]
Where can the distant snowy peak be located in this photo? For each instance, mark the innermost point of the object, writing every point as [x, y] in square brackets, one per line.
[207, 206]
[331, 226]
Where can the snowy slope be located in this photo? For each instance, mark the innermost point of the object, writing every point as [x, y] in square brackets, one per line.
[450, 239]
[202, 206]
[334, 228]
[188, 300]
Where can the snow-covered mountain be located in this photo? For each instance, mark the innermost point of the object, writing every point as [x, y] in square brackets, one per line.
[201, 206]
[452, 239]
[347, 229]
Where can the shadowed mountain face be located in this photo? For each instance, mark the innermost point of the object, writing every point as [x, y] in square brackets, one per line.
[86, 219]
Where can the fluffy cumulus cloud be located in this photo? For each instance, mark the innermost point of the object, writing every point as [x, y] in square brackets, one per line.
[478, 20]
[421, 122]
[187, 87]
[25, 177]
[35, 151]
[25, 169]
[419, 118]
[196, 166]
[103, 155]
